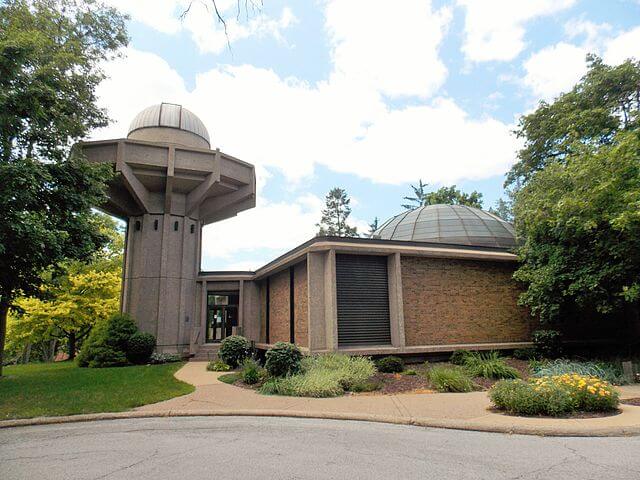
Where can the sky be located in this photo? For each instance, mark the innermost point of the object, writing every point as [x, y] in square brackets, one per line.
[366, 95]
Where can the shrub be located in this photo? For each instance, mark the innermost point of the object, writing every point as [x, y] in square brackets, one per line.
[107, 343]
[390, 365]
[218, 366]
[252, 373]
[459, 357]
[489, 365]
[283, 359]
[609, 372]
[410, 371]
[158, 358]
[325, 376]
[140, 346]
[525, 354]
[450, 379]
[548, 343]
[234, 349]
[555, 395]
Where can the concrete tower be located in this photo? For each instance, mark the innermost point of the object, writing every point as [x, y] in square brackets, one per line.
[169, 184]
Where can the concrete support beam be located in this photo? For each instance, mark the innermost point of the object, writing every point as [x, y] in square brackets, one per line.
[168, 195]
[198, 194]
[316, 300]
[331, 300]
[135, 187]
[396, 310]
[203, 311]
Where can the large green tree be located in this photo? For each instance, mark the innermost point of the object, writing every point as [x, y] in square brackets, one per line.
[604, 102]
[50, 57]
[447, 195]
[335, 215]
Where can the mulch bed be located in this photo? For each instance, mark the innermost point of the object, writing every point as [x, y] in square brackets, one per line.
[631, 401]
[391, 383]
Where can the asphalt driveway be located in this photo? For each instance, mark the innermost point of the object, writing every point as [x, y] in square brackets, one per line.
[284, 448]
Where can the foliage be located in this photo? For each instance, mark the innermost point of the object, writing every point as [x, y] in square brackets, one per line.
[335, 215]
[252, 372]
[61, 388]
[390, 365]
[234, 349]
[51, 58]
[525, 353]
[459, 357]
[230, 378]
[450, 379]
[327, 375]
[108, 343]
[447, 195]
[373, 226]
[504, 208]
[283, 359]
[554, 395]
[604, 103]
[159, 358]
[489, 365]
[140, 346]
[410, 372]
[607, 371]
[548, 343]
[218, 366]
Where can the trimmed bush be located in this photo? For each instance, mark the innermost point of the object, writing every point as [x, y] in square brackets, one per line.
[548, 343]
[283, 359]
[609, 372]
[107, 343]
[158, 358]
[234, 349]
[554, 396]
[140, 346]
[459, 357]
[450, 379]
[390, 365]
[489, 365]
[252, 373]
[218, 366]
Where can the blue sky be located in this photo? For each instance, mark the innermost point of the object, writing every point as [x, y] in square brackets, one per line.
[366, 95]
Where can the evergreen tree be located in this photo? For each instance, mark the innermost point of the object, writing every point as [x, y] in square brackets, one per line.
[335, 215]
[373, 226]
[444, 195]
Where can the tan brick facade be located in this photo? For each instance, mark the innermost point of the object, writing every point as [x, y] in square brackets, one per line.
[449, 301]
[300, 304]
[279, 307]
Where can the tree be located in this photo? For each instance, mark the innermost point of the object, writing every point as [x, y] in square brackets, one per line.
[604, 102]
[51, 52]
[373, 226]
[581, 222]
[504, 208]
[335, 215]
[446, 195]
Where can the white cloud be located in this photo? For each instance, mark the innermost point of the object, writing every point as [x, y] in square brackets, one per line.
[495, 29]
[391, 49]
[624, 46]
[554, 69]
[201, 21]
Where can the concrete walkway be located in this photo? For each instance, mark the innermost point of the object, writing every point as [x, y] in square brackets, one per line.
[468, 411]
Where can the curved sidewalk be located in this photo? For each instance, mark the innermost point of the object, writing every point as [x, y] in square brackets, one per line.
[466, 411]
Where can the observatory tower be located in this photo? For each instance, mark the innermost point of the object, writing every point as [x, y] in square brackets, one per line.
[169, 184]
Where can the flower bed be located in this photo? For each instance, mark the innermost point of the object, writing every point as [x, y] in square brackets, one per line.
[555, 395]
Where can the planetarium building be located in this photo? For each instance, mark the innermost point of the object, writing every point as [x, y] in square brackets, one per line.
[434, 279]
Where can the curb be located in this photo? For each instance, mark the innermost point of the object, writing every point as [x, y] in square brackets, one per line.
[468, 425]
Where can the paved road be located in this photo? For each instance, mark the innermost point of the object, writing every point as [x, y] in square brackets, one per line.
[279, 448]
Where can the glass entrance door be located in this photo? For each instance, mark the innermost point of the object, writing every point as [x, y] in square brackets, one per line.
[222, 316]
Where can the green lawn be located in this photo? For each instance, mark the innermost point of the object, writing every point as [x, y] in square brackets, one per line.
[64, 389]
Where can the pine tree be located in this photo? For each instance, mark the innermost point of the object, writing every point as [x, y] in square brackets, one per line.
[335, 214]
[373, 226]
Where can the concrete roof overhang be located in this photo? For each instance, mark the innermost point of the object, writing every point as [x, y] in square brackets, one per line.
[369, 246]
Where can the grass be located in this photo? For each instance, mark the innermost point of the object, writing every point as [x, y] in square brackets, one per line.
[450, 379]
[54, 389]
[607, 371]
[230, 378]
[488, 365]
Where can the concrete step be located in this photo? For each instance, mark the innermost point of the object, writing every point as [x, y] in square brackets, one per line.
[206, 352]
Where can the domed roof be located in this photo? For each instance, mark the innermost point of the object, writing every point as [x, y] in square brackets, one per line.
[172, 116]
[454, 224]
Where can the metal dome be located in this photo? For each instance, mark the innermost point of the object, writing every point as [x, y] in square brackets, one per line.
[172, 116]
[453, 224]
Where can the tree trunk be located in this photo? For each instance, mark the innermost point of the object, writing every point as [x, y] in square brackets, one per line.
[4, 311]
[27, 353]
[71, 345]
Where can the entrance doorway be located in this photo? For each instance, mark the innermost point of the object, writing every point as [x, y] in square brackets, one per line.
[222, 315]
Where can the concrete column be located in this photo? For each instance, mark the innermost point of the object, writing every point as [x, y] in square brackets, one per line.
[316, 301]
[203, 311]
[331, 300]
[241, 306]
[396, 308]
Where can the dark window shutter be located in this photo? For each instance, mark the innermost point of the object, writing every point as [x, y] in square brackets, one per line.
[363, 300]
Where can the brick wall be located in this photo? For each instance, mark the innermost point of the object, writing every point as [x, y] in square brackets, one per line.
[279, 307]
[263, 310]
[450, 301]
[300, 303]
